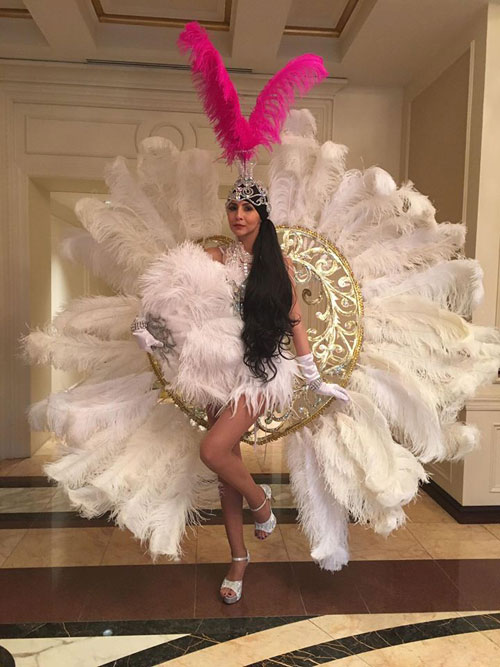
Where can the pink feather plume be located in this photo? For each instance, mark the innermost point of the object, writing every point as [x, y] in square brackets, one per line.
[238, 136]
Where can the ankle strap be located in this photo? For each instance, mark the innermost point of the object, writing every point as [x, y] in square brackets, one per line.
[241, 557]
[256, 509]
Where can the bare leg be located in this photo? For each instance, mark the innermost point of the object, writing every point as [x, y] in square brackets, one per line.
[232, 506]
[217, 452]
[232, 510]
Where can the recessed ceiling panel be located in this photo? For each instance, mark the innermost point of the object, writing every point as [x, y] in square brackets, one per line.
[316, 13]
[195, 10]
[14, 9]
[320, 18]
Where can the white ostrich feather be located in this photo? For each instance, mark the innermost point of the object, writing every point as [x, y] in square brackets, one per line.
[81, 248]
[300, 123]
[275, 395]
[37, 415]
[325, 177]
[289, 171]
[409, 408]
[157, 174]
[369, 474]
[416, 205]
[366, 206]
[450, 376]
[127, 196]
[422, 247]
[413, 322]
[116, 230]
[461, 439]
[197, 196]
[107, 317]
[189, 282]
[153, 484]
[82, 352]
[79, 465]
[453, 284]
[78, 413]
[316, 507]
[379, 182]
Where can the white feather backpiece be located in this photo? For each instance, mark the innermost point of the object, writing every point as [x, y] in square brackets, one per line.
[421, 360]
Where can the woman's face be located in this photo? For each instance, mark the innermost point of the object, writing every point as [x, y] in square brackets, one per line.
[243, 219]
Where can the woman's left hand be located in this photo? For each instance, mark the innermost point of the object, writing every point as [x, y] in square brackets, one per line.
[332, 389]
[311, 375]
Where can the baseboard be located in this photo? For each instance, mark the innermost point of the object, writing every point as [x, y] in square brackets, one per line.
[462, 513]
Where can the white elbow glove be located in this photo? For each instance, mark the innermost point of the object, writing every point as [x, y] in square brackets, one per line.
[144, 338]
[313, 378]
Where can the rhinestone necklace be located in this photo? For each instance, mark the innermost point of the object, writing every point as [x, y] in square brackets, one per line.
[243, 258]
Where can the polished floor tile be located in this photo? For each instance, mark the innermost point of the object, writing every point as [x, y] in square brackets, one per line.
[493, 528]
[7, 465]
[478, 580]
[64, 547]
[270, 589]
[139, 592]
[28, 466]
[42, 594]
[9, 539]
[493, 635]
[346, 625]
[214, 548]
[423, 509]
[408, 586]
[79, 651]
[456, 540]
[25, 500]
[324, 592]
[124, 549]
[456, 651]
[60, 502]
[296, 542]
[364, 544]
[255, 646]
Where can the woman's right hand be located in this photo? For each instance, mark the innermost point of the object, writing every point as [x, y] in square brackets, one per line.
[144, 338]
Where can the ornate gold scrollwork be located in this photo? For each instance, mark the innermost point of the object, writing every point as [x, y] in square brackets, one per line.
[332, 308]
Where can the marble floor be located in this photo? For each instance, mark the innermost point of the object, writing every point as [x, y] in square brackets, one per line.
[84, 593]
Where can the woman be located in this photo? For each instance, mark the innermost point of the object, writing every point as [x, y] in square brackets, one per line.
[220, 449]
[271, 315]
[265, 300]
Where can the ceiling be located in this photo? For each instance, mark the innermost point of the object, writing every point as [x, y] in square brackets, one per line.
[369, 42]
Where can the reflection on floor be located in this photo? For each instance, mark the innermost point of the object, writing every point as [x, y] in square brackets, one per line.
[77, 592]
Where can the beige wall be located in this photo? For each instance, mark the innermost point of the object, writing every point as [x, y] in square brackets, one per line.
[368, 121]
[437, 140]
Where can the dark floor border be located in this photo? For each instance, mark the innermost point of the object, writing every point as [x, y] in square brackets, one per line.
[26, 482]
[212, 517]
[43, 482]
[232, 627]
[462, 513]
[337, 649]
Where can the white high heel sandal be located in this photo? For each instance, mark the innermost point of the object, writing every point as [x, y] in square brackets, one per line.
[269, 525]
[235, 586]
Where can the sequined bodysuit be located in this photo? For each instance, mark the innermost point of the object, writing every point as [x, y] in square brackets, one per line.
[238, 263]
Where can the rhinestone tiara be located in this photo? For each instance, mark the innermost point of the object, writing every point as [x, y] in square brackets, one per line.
[246, 187]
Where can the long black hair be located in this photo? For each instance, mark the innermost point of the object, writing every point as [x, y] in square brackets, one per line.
[267, 304]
